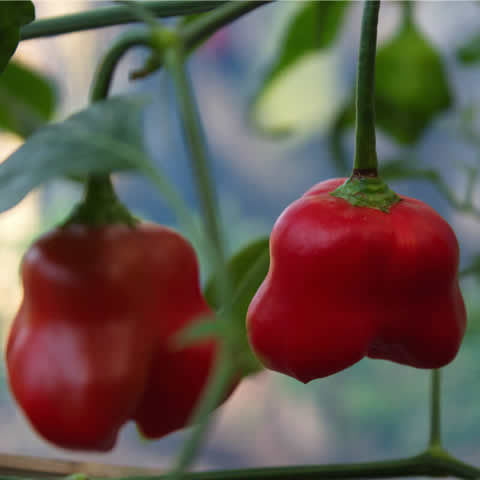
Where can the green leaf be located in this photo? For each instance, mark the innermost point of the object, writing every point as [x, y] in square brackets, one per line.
[103, 138]
[204, 328]
[407, 168]
[284, 103]
[13, 14]
[27, 100]
[246, 269]
[469, 53]
[411, 85]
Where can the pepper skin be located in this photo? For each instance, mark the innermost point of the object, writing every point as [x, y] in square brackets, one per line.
[347, 282]
[92, 344]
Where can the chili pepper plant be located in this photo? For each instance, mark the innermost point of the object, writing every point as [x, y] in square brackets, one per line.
[115, 325]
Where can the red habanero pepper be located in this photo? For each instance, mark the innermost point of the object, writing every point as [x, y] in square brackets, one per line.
[92, 345]
[347, 282]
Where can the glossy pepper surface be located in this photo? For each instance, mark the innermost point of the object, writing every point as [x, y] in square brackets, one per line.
[92, 345]
[347, 282]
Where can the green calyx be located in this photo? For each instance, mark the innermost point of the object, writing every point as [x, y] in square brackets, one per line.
[100, 206]
[367, 191]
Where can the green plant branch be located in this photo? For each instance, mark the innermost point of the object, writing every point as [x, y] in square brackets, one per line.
[425, 464]
[430, 463]
[408, 7]
[194, 33]
[435, 410]
[100, 204]
[432, 176]
[100, 89]
[106, 69]
[216, 389]
[109, 16]
[225, 366]
[198, 150]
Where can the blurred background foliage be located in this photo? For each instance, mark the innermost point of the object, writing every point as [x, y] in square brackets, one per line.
[275, 92]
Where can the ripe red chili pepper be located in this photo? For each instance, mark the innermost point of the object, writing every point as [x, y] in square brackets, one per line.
[92, 345]
[347, 282]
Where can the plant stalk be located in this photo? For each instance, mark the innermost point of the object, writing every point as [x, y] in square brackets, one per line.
[435, 410]
[365, 162]
[196, 32]
[109, 16]
[424, 465]
[104, 74]
[225, 367]
[195, 139]
[216, 389]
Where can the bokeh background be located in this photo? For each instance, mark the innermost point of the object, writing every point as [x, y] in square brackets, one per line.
[374, 410]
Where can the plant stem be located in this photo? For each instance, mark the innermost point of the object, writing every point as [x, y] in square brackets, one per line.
[100, 90]
[365, 150]
[225, 366]
[104, 74]
[108, 16]
[198, 150]
[435, 410]
[408, 11]
[215, 391]
[101, 205]
[195, 32]
[418, 466]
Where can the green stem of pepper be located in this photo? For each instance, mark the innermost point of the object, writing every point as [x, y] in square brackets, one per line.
[408, 7]
[216, 390]
[104, 74]
[225, 367]
[194, 32]
[365, 150]
[435, 410]
[364, 188]
[101, 205]
[423, 465]
[109, 16]
[100, 90]
[195, 139]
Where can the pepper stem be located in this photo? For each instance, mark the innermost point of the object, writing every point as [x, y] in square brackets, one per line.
[365, 150]
[435, 411]
[364, 188]
[100, 205]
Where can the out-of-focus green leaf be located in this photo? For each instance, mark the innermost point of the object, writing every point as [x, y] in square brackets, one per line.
[246, 269]
[290, 98]
[469, 53]
[103, 138]
[13, 14]
[411, 87]
[204, 328]
[407, 168]
[27, 100]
